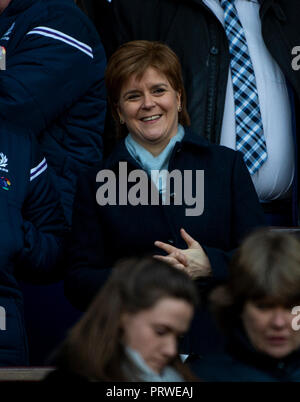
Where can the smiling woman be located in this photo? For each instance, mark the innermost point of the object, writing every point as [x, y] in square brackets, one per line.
[149, 107]
[185, 183]
[148, 74]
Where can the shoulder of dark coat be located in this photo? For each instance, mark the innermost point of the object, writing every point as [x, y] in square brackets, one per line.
[61, 13]
[201, 142]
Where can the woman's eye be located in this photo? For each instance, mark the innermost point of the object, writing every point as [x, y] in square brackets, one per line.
[159, 90]
[263, 306]
[132, 96]
[160, 331]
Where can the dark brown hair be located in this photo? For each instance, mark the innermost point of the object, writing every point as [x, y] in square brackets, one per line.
[266, 266]
[93, 347]
[134, 58]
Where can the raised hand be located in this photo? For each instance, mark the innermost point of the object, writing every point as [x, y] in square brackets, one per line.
[192, 260]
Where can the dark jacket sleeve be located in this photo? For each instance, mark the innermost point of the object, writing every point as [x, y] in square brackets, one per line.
[87, 271]
[246, 215]
[54, 85]
[44, 228]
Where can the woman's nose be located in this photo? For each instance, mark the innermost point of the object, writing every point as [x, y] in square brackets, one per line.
[279, 318]
[148, 101]
[170, 347]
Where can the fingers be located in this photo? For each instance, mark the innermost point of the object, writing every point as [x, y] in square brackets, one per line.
[191, 243]
[181, 258]
[170, 261]
[166, 247]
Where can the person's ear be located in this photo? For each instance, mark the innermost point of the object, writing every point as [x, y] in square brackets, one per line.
[178, 96]
[122, 121]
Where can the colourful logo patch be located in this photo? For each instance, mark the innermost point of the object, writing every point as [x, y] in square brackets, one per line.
[4, 183]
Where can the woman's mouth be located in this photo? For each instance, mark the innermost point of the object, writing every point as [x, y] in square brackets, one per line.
[150, 118]
[277, 340]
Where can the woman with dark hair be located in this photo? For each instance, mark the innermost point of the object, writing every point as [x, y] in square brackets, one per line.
[131, 329]
[255, 310]
[160, 179]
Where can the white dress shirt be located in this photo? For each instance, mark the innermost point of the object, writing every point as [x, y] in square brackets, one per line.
[274, 179]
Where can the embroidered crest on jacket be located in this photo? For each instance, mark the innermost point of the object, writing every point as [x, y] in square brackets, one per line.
[3, 162]
[4, 183]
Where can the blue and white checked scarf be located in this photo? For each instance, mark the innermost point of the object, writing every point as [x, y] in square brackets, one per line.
[250, 138]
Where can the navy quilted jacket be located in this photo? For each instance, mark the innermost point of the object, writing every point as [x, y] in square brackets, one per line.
[32, 228]
[53, 84]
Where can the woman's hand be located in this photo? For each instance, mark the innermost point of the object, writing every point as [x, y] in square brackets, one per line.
[192, 260]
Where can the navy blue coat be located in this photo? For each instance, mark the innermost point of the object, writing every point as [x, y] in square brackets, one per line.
[103, 234]
[32, 227]
[53, 84]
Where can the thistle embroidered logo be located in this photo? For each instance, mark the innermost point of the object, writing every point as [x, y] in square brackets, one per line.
[6, 36]
[3, 162]
[5, 183]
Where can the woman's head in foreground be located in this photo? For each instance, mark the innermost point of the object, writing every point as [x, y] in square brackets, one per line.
[145, 91]
[263, 288]
[145, 305]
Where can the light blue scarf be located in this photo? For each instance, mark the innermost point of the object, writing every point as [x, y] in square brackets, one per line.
[159, 163]
[145, 373]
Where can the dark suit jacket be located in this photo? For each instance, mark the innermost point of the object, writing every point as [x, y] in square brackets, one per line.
[192, 30]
